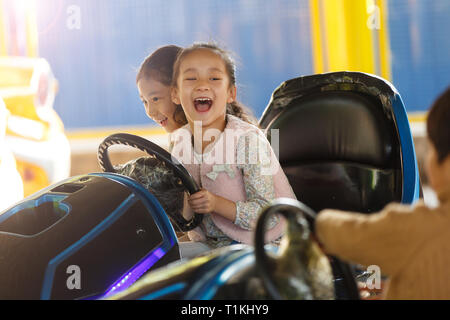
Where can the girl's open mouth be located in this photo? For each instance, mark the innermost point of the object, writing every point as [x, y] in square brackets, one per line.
[202, 104]
[163, 122]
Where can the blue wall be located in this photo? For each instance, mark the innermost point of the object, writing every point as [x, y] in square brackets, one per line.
[420, 45]
[96, 64]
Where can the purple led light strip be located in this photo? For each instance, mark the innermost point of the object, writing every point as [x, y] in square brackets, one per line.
[135, 273]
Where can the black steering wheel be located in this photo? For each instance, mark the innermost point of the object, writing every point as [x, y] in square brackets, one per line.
[299, 218]
[161, 154]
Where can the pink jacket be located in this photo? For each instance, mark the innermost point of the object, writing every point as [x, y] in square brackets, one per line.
[219, 171]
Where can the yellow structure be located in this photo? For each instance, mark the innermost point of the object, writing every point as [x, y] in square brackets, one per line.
[350, 35]
[34, 131]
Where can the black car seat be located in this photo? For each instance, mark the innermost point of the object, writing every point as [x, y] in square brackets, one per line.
[339, 143]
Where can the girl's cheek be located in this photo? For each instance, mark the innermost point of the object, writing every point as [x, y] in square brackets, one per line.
[147, 111]
[169, 108]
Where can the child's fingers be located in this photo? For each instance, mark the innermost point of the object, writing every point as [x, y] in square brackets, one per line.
[200, 206]
[201, 210]
[198, 200]
[198, 194]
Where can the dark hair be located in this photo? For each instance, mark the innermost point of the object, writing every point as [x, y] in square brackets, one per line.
[438, 125]
[235, 108]
[159, 66]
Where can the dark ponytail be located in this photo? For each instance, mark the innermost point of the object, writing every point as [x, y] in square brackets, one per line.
[242, 112]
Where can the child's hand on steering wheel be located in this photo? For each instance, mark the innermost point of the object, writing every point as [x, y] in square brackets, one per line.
[203, 201]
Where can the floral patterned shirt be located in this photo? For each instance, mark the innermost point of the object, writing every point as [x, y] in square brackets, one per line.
[259, 190]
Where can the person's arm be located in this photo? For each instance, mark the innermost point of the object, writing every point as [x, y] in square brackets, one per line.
[254, 159]
[385, 239]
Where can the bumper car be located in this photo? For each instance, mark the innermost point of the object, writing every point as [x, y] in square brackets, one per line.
[90, 236]
[110, 238]
[355, 152]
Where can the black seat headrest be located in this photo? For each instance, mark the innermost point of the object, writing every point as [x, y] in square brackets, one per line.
[335, 126]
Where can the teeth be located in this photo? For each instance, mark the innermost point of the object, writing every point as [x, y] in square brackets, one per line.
[202, 99]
